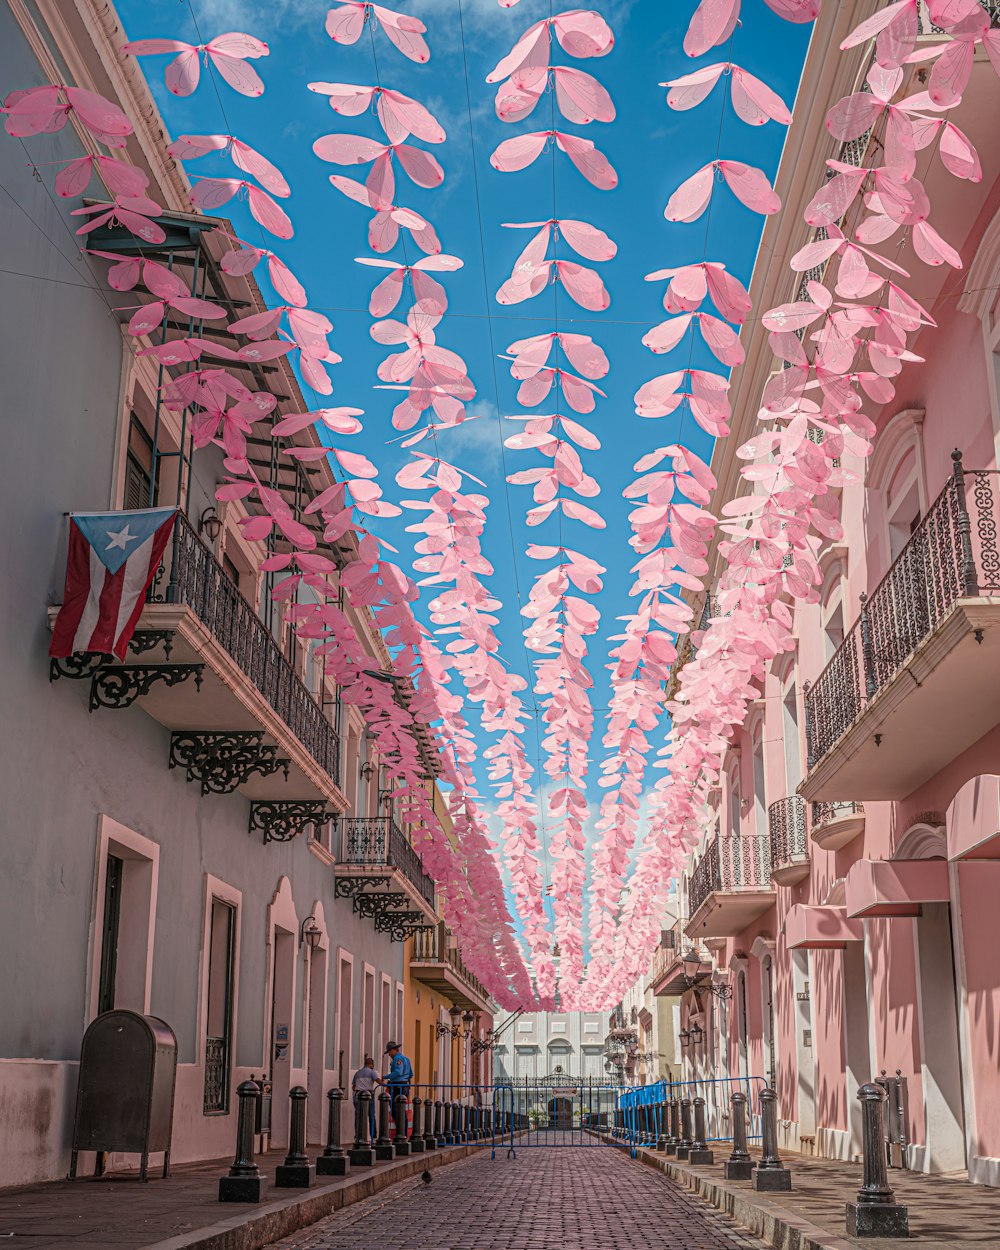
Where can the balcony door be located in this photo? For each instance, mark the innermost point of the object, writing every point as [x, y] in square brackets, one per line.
[219, 1013]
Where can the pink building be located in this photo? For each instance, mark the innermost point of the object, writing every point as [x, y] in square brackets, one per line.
[848, 891]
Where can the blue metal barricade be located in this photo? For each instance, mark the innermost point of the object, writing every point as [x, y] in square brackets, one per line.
[642, 1110]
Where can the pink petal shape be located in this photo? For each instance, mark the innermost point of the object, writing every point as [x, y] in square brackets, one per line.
[405, 31]
[958, 155]
[580, 97]
[711, 24]
[729, 295]
[951, 73]
[593, 164]
[519, 152]
[689, 90]
[583, 285]
[586, 239]
[750, 186]
[932, 249]
[755, 102]
[853, 115]
[666, 336]
[691, 198]
[345, 23]
[582, 33]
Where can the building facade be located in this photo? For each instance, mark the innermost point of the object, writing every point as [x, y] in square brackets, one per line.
[551, 1046]
[845, 891]
[205, 833]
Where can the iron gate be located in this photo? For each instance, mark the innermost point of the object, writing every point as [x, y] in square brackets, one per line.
[570, 1111]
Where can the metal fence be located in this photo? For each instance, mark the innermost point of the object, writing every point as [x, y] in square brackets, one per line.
[379, 840]
[731, 864]
[577, 1112]
[953, 553]
[643, 1113]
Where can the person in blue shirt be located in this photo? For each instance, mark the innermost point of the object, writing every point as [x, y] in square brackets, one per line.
[400, 1074]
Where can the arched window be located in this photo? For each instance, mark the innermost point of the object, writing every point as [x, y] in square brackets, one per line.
[759, 782]
[896, 484]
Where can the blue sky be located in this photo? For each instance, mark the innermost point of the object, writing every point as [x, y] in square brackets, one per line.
[653, 150]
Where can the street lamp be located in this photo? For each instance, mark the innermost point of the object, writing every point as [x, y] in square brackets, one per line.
[691, 964]
[310, 932]
[684, 1036]
[697, 1035]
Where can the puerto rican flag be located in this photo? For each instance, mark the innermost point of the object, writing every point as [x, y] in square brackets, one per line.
[113, 557]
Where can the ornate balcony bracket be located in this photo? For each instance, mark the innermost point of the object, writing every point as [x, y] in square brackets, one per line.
[77, 666]
[401, 924]
[372, 905]
[281, 820]
[119, 685]
[144, 640]
[82, 664]
[348, 887]
[223, 761]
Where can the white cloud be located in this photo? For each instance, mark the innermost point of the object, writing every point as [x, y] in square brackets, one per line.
[215, 16]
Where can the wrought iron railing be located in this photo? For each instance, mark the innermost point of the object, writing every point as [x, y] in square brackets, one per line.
[433, 946]
[824, 813]
[952, 554]
[379, 840]
[216, 1082]
[191, 575]
[729, 865]
[786, 823]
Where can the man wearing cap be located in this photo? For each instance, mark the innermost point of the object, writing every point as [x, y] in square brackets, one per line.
[400, 1073]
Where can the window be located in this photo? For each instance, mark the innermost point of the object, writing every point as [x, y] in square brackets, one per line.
[138, 467]
[734, 800]
[384, 1021]
[123, 920]
[109, 941]
[790, 733]
[345, 989]
[219, 1015]
[759, 783]
[397, 1027]
[368, 1014]
[231, 571]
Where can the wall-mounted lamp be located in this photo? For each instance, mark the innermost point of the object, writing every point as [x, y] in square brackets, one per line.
[691, 963]
[684, 1036]
[367, 770]
[210, 524]
[697, 1035]
[310, 932]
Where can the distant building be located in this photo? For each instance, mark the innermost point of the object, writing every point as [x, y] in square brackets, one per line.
[552, 1045]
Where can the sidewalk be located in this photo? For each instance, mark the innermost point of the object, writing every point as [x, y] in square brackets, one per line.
[183, 1212]
[946, 1213]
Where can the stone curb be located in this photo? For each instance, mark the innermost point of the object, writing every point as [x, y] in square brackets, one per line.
[258, 1227]
[762, 1216]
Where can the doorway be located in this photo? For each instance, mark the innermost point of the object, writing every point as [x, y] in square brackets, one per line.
[316, 1041]
[804, 1064]
[940, 1056]
[282, 983]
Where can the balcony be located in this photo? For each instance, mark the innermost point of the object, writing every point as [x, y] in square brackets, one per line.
[925, 651]
[381, 872]
[666, 976]
[246, 721]
[730, 886]
[786, 823]
[836, 824]
[438, 965]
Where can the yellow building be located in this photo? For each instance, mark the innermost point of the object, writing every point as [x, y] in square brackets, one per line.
[447, 1012]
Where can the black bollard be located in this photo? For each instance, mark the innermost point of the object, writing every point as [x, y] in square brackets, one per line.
[361, 1153]
[770, 1175]
[417, 1144]
[439, 1135]
[662, 1114]
[686, 1140]
[399, 1141]
[739, 1165]
[244, 1183]
[456, 1122]
[333, 1161]
[385, 1152]
[430, 1136]
[876, 1212]
[674, 1138]
[296, 1172]
[700, 1153]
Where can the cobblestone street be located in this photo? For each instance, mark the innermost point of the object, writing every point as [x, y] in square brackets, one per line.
[548, 1199]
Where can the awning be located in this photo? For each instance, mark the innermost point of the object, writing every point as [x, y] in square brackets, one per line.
[895, 887]
[820, 928]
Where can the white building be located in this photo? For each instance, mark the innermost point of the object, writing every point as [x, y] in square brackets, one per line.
[547, 1046]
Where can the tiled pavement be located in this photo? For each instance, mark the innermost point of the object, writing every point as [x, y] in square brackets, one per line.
[592, 1198]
